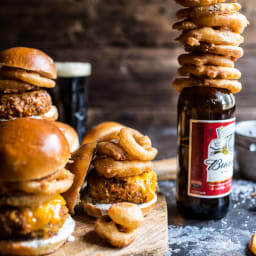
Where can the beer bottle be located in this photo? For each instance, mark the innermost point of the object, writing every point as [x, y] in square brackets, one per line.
[206, 126]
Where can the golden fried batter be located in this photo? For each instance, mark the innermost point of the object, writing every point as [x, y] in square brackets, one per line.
[234, 52]
[232, 85]
[236, 22]
[211, 36]
[193, 3]
[205, 59]
[197, 12]
[207, 71]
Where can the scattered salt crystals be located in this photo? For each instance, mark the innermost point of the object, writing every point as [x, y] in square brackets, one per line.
[225, 237]
[200, 240]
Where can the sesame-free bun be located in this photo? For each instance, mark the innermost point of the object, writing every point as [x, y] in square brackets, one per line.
[103, 131]
[29, 59]
[70, 134]
[31, 149]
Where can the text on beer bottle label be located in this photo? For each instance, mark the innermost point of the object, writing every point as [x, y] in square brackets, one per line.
[211, 152]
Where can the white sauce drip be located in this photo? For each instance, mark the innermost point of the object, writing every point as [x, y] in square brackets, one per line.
[50, 113]
[64, 233]
[104, 207]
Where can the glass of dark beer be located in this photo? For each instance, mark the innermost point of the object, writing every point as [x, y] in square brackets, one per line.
[71, 94]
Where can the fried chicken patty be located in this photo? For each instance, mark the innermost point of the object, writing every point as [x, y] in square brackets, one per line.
[26, 104]
[136, 189]
[41, 222]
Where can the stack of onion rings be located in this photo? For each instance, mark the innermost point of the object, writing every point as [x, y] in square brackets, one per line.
[212, 34]
[129, 155]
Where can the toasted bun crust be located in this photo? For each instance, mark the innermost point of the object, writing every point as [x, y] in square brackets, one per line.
[29, 59]
[99, 210]
[70, 134]
[31, 149]
[40, 246]
[103, 131]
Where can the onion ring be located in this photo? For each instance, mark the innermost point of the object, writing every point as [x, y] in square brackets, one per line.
[237, 22]
[197, 12]
[111, 149]
[109, 231]
[131, 142]
[103, 132]
[205, 59]
[12, 86]
[234, 52]
[25, 200]
[30, 77]
[193, 3]
[209, 71]
[231, 85]
[110, 168]
[128, 215]
[57, 183]
[211, 36]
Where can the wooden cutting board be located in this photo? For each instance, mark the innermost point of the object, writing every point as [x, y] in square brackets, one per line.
[152, 238]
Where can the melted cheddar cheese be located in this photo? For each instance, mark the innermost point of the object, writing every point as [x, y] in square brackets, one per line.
[147, 183]
[46, 217]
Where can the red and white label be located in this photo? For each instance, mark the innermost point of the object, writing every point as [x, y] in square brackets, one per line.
[211, 153]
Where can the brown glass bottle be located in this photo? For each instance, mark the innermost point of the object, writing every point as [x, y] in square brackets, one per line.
[199, 103]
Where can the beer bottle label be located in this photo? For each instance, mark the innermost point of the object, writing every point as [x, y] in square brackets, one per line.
[211, 152]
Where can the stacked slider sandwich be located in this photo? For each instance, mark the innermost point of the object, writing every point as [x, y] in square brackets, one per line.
[23, 74]
[34, 218]
[212, 35]
[122, 170]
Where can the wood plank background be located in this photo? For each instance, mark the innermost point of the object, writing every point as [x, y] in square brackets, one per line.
[132, 49]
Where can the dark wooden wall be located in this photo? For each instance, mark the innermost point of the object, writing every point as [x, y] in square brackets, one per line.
[131, 46]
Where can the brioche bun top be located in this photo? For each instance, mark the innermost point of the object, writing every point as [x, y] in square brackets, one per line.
[29, 59]
[31, 149]
[70, 134]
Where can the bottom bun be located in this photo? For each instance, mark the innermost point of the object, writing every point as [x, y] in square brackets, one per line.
[99, 210]
[39, 246]
[51, 115]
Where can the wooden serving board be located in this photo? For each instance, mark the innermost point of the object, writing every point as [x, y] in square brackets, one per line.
[152, 238]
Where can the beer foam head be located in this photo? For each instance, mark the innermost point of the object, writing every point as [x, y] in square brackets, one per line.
[73, 69]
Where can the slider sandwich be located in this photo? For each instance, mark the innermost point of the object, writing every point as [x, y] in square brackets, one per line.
[23, 74]
[120, 169]
[34, 218]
